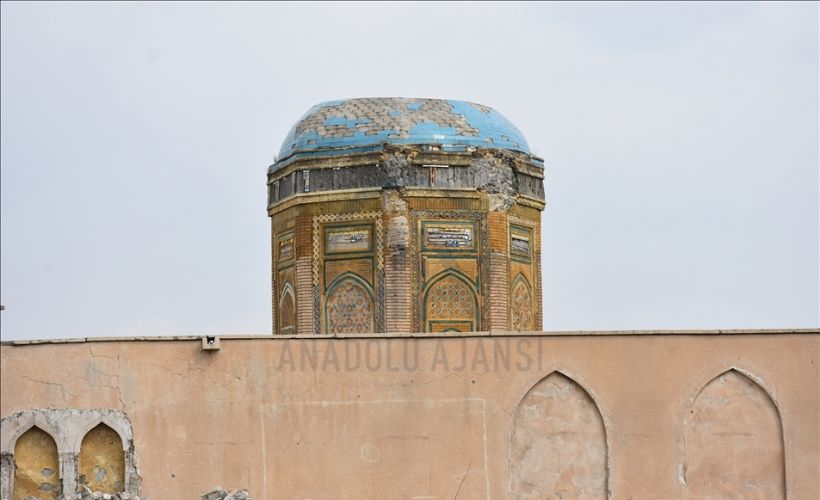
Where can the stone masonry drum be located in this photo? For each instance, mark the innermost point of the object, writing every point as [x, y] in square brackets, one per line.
[405, 215]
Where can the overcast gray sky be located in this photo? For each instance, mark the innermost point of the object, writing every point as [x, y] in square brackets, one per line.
[680, 141]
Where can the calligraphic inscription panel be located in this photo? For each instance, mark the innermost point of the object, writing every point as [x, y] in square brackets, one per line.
[286, 249]
[348, 239]
[449, 236]
[520, 243]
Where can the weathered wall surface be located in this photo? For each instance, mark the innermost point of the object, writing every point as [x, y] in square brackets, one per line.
[558, 445]
[87, 444]
[734, 421]
[36, 466]
[410, 260]
[681, 416]
[102, 462]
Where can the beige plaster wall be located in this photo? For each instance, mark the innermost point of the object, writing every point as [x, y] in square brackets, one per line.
[433, 417]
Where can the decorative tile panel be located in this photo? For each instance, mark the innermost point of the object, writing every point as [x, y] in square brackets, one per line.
[452, 236]
[349, 308]
[363, 234]
[524, 245]
[286, 249]
[287, 310]
[367, 124]
[521, 306]
[348, 239]
[458, 227]
[521, 243]
[450, 299]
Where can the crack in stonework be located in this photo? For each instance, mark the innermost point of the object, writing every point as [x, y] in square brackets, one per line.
[116, 387]
[62, 388]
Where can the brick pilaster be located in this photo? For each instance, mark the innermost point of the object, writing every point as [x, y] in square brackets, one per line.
[398, 273]
[304, 296]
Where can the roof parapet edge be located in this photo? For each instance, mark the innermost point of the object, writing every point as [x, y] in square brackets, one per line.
[449, 335]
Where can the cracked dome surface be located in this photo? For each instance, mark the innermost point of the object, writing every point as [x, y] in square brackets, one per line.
[352, 125]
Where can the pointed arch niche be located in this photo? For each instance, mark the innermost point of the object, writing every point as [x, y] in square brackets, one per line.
[734, 442]
[349, 305]
[450, 303]
[521, 305]
[102, 460]
[287, 310]
[558, 443]
[36, 466]
[77, 441]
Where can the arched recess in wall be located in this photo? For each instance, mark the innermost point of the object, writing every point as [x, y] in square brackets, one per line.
[349, 305]
[102, 460]
[450, 303]
[734, 442]
[287, 309]
[558, 445]
[521, 306]
[36, 466]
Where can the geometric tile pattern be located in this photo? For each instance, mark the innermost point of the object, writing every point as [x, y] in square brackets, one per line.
[318, 262]
[521, 302]
[450, 298]
[349, 308]
[532, 274]
[417, 287]
[371, 122]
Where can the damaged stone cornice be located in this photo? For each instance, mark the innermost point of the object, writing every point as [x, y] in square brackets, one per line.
[415, 155]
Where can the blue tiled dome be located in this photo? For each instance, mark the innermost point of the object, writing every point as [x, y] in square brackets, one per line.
[359, 125]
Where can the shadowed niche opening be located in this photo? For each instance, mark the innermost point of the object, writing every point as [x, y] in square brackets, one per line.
[36, 466]
[102, 460]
